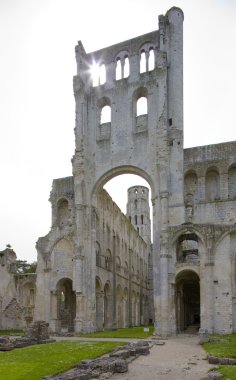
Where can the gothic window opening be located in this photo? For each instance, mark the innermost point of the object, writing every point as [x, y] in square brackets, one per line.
[142, 108]
[232, 182]
[151, 60]
[98, 255]
[62, 212]
[126, 67]
[118, 69]
[143, 67]
[212, 185]
[102, 74]
[98, 73]
[105, 116]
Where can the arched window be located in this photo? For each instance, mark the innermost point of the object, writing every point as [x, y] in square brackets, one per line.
[102, 74]
[232, 182]
[98, 255]
[105, 116]
[108, 260]
[142, 108]
[98, 74]
[126, 67]
[151, 60]
[118, 69]
[143, 62]
[212, 185]
[62, 212]
[118, 264]
[191, 184]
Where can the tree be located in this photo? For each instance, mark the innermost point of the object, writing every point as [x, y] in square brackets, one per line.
[23, 267]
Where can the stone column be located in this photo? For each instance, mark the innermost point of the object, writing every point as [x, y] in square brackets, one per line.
[207, 297]
[100, 311]
[114, 316]
[79, 318]
[54, 321]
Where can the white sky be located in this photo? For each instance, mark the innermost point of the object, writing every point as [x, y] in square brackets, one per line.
[37, 63]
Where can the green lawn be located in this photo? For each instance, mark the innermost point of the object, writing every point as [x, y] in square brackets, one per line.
[224, 349]
[228, 371]
[132, 332]
[34, 362]
[221, 349]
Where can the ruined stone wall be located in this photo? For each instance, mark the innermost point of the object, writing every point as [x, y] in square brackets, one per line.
[16, 293]
[210, 183]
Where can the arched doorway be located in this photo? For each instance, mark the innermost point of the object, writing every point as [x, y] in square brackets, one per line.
[66, 305]
[187, 298]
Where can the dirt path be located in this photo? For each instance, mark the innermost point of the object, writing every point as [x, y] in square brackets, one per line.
[180, 358]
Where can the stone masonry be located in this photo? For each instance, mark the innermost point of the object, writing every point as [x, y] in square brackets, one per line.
[98, 268]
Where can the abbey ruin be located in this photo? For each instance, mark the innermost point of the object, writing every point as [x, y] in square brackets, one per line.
[98, 268]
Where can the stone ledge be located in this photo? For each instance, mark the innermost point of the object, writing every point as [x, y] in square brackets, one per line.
[222, 361]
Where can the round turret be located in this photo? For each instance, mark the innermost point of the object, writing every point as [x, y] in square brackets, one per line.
[138, 211]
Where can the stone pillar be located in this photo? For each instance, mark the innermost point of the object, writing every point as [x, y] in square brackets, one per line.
[54, 321]
[207, 297]
[100, 311]
[80, 317]
[114, 316]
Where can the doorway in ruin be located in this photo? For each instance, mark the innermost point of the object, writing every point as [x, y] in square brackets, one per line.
[66, 305]
[187, 298]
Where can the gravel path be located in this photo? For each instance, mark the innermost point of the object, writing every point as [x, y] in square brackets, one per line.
[180, 358]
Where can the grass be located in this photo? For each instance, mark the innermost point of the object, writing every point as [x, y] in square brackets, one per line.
[11, 332]
[32, 363]
[221, 349]
[228, 372]
[131, 332]
[226, 349]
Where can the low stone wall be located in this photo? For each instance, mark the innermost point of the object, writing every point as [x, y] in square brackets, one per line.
[116, 362]
[221, 361]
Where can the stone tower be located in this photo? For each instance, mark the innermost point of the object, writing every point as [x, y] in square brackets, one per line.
[138, 211]
[129, 120]
[147, 142]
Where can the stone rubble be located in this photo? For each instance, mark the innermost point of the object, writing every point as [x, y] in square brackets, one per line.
[104, 367]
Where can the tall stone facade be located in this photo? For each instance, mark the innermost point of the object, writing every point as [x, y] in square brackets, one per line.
[97, 268]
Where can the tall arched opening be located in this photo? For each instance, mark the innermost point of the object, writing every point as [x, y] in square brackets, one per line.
[124, 229]
[187, 298]
[66, 305]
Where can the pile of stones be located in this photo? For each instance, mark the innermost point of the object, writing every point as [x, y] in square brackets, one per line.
[116, 362]
[37, 333]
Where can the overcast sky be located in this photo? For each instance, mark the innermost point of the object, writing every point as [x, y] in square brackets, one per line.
[37, 63]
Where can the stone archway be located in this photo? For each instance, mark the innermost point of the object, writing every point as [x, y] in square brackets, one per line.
[66, 305]
[187, 298]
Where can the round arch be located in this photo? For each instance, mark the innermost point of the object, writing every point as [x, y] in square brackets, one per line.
[119, 170]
